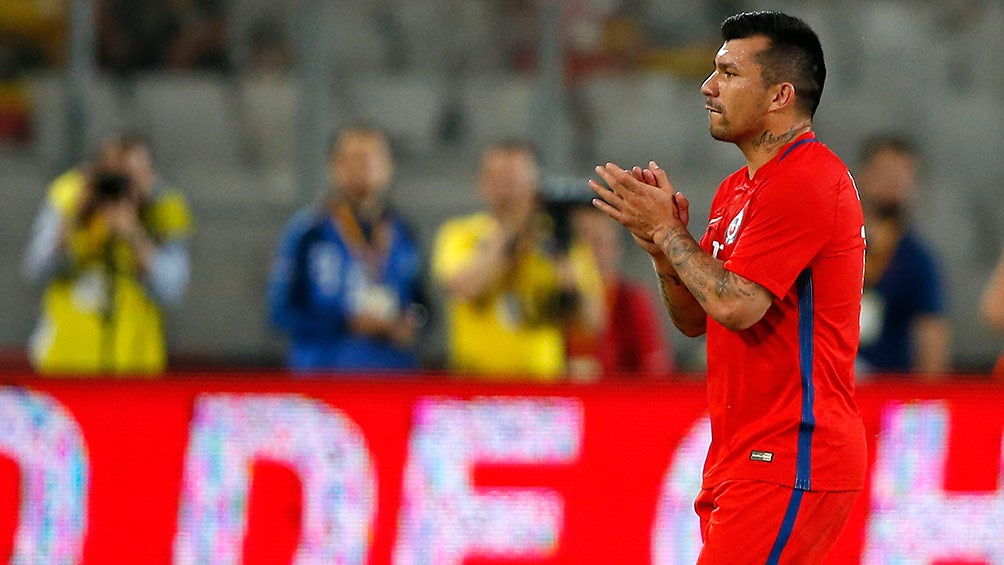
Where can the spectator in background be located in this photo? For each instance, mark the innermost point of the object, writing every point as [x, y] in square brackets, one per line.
[903, 324]
[345, 282]
[134, 36]
[992, 307]
[511, 285]
[161, 34]
[271, 50]
[111, 243]
[15, 101]
[32, 36]
[201, 39]
[630, 339]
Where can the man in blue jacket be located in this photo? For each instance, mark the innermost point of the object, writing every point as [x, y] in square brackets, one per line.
[904, 321]
[344, 284]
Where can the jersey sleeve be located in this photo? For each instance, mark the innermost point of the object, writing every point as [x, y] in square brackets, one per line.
[789, 222]
[717, 205]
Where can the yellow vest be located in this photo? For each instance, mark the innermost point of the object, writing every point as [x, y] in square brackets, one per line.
[505, 333]
[98, 317]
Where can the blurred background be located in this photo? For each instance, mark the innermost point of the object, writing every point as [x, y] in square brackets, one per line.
[239, 98]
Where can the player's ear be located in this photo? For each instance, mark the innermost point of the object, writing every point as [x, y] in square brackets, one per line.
[783, 96]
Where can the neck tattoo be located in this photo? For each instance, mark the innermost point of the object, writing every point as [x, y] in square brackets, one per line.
[768, 141]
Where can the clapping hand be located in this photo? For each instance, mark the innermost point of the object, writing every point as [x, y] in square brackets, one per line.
[643, 201]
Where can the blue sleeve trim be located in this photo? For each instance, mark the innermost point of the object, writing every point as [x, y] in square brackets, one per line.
[795, 145]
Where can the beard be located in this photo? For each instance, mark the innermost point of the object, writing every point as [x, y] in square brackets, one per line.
[730, 131]
[720, 131]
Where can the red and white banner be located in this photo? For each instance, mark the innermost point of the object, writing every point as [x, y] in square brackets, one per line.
[260, 469]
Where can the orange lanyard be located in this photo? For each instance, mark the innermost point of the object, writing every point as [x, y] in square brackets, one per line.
[372, 252]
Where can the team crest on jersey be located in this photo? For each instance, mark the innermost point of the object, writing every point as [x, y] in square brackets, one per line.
[730, 234]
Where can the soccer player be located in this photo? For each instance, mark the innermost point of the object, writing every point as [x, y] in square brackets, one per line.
[775, 282]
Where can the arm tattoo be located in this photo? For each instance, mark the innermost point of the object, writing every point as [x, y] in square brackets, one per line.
[732, 285]
[666, 281]
[670, 278]
[679, 247]
[705, 275]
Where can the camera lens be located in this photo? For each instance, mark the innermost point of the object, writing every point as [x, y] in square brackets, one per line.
[111, 186]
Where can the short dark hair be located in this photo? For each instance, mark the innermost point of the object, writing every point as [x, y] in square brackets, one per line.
[887, 141]
[795, 54]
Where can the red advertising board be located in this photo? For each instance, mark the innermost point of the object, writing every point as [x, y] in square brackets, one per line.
[270, 469]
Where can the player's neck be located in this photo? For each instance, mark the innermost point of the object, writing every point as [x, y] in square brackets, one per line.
[762, 147]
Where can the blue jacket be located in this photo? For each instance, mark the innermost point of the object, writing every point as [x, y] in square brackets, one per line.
[315, 282]
[910, 287]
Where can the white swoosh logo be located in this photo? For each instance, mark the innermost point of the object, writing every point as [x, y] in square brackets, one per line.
[714, 221]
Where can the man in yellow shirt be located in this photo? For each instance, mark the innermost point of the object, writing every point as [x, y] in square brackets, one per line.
[509, 288]
[110, 243]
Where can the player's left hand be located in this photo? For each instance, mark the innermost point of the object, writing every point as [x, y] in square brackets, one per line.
[642, 208]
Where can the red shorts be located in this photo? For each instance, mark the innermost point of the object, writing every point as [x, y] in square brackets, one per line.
[757, 522]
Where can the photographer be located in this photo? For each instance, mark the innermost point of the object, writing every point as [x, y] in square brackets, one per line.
[511, 285]
[110, 242]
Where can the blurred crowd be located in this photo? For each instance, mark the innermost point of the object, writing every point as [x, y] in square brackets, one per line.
[217, 36]
[531, 285]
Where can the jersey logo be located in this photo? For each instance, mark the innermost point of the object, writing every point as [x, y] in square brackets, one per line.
[764, 456]
[730, 234]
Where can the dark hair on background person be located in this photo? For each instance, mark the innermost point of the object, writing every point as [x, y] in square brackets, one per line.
[795, 54]
[894, 142]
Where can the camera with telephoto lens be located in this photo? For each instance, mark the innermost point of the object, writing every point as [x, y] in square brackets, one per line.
[110, 186]
[561, 195]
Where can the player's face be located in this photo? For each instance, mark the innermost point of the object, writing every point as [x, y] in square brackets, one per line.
[736, 98]
[361, 164]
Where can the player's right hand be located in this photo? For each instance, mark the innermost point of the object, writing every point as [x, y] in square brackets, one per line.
[656, 176]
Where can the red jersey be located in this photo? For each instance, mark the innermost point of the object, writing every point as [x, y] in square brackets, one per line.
[781, 393]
